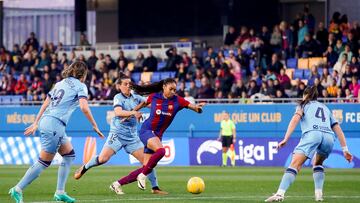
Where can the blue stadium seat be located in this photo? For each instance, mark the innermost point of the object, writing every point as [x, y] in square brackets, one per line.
[197, 83]
[156, 76]
[226, 53]
[187, 85]
[298, 74]
[291, 63]
[320, 71]
[161, 65]
[16, 99]
[307, 74]
[136, 77]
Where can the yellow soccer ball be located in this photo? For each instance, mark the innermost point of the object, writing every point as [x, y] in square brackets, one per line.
[195, 185]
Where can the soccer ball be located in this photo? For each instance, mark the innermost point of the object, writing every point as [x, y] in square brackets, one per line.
[195, 185]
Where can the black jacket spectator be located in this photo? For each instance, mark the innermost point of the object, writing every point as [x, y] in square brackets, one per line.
[150, 63]
[173, 59]
[230, 37]
[32, 41]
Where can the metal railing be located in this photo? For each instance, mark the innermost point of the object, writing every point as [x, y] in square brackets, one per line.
[211, 101]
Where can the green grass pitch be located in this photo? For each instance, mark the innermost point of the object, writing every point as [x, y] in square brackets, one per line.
[239, 184]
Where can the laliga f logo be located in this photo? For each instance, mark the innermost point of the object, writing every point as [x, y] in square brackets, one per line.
[338, 114]
[212, 146]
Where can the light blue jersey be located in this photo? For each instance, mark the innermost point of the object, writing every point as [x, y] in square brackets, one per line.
[317, 117]
[126, 104]
[65, 98]
[123, 134]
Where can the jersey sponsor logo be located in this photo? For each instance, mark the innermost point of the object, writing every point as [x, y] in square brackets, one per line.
[159, 112]
[169, 146]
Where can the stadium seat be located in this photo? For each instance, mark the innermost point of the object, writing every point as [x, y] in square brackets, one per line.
[291, 63]
[307, 74]
[298, 74]
[146, 76]
[156, 76]
[320, 71]
[252, 65]
[290, 73]
[136, 77]
[161, 65]
[197, 83]
[303, 63]
[317, 61]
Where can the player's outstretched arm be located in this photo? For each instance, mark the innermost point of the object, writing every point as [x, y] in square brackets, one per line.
[340, 134]
[291, 127]
[84, 107]
[122, 113]
[32, 129]
[197, 107]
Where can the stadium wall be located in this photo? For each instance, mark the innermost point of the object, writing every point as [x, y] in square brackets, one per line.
[190, 140]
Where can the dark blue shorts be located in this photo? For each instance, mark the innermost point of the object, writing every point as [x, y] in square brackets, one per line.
[144, 137]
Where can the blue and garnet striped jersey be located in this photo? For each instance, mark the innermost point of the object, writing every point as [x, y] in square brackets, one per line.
[162, 112]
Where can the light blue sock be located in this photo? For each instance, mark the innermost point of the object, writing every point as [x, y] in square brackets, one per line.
[319, 177]
[287, 179]
[63, 171]
[93, 162]
[153, 178]
[32, 173]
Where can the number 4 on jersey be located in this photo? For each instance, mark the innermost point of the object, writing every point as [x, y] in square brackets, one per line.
[320, 114]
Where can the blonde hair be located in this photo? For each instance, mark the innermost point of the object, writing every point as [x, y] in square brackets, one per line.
[77, 69]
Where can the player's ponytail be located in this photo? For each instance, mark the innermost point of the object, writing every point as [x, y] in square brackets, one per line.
[310, 94]
[77, 69]
[151, 88]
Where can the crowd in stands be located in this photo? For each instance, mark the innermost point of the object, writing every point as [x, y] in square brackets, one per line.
[251, 64]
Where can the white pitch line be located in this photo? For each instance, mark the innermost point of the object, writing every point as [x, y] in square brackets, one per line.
[204, 198]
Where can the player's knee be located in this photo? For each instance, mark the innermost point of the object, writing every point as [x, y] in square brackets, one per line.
[103, 159]
[161, 151]
[318, 168]
[70, 154]
[44, 163]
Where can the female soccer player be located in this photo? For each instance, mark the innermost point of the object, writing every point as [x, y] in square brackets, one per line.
[52, 118]
[318, 126]
[123, 134]
[164, 106]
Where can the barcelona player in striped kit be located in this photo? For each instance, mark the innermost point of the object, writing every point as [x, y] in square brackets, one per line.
[52, 118]
[164, 104]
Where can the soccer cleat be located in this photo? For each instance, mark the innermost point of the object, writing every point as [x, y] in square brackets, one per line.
[275, 198]
[319, 197]
[141, 179]
[17, 196]
[158, 191]
[116, 187]
[64, 198]
[80, 172]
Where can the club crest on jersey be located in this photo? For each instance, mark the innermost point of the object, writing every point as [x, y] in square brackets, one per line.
[170, 107]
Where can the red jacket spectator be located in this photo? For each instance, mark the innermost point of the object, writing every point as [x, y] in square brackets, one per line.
[21, 85]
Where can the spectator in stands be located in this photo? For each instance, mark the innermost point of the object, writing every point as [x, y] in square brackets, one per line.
[111, 65]
[349, 97]
[122, 57]
[271, 91]
[210, 72]
[270, 75]
[32, 41]
[186, 59]
[150, 63]
[47, 83]
[188, 97]
[308, 47]
[352, 42]
[205, 90]
[193, 90]
[106, 79]
[92, 59]
[220, 58]
[265, 35]
[253, 88]
[100, 62]
[193, 67]
[244, 35]
[181, 90]
[36, 86]
[279, 94]
[322, 36]
[340, 65]
[276, 39]
[326, 79]
[83, 40]
[275, 64]
[17, 65]
[331, 56]
[230, 37]
[335, 75]
[300, 89]
[63, 59]
[348, 53]
[4, 82]
[354, 87]
[339, 47]
[16, 51]
[21, 85]
[354, 65]
[173, 61]
[284, 79]
[303, 30]
[314, 74]
[181, 73]
[238, 88]
[348, 74]
[226, 80]
[263, 88]
[139, 62]
[319, 86]
[333, 89]
[331, 40]
[287, 39]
